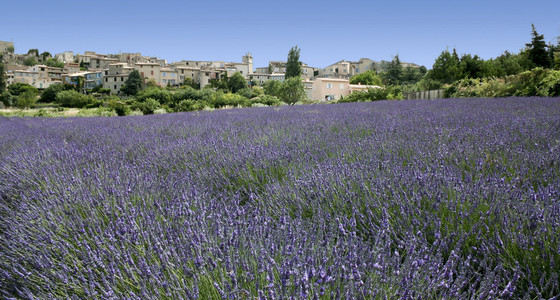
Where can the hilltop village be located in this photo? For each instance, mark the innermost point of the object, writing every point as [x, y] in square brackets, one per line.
[110, 71]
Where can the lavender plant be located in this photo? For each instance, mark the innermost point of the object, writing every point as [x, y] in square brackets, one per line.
[411, 199]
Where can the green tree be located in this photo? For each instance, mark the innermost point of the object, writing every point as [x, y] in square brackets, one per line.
[49, 94]
[3, 83]
[394, 72]
[6, 98]
[11, 49]
[412, 75]
[471, 67]
[54, 62]
[293, 65]
[133, 84]
[189, 82]
[369, 77]
[446, 67]
[292, 91]
[75, 99]
[272, 88]
[18, 88]
[30, 61]
[45, 55]
[26, 99]
[236, 82]
[536, 50]
[34, 52]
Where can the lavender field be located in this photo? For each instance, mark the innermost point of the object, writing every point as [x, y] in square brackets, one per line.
[455, 198]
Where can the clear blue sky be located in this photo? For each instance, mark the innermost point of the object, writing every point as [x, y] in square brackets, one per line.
[326, 31]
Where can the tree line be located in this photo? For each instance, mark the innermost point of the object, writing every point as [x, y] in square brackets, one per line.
[534, 71]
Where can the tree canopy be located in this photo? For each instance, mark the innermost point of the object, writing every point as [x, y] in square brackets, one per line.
[536, 50]
[293, 65]
[236, 82]
[2, 76]
[369, 77]
[292, 91]
[133, 84]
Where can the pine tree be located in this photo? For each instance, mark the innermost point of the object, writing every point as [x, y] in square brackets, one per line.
[133, 84]
[293, 66]
[537, 51]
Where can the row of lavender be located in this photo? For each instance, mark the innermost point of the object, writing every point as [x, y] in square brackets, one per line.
[448, 198]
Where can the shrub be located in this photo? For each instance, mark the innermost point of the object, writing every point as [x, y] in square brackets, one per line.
[19, 88]
[147, 107]
[26, 99]
[156, 93]
[186, 105]
[374, 94]
[77, 100]
[49, 94]
[118, 106]
[6, 98]
[266, 100]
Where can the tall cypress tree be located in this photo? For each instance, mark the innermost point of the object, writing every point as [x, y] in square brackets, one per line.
[293, 66]
[537, 51]
[2, 76]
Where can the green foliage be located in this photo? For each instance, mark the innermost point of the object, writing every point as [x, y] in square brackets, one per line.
[53, 62]
[49, 94]
[18, 88]
[46, 55]
[99, 89]
[507, 64]
[34, 52]
[189, 82]
[163, 96]
[393, 74]
[272, 88]
[26, 99]
[292, 91]
[375, 94]
[30, 61]
[267, 100]
[367, 78]
[412, 75]
[133, 84]
[148, 106]
[293, 65]
[75, 99]
[220, 99]
[186, 105]
[426, 84]
[11, 49]
[446, 68]
[3, 83]
[537, 51]
[236, 82]
[6, 98]
[536, 82]
[118, 106]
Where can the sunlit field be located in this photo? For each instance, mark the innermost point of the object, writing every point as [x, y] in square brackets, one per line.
[454, 198]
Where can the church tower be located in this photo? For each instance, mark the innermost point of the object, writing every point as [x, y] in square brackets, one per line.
[248, 59]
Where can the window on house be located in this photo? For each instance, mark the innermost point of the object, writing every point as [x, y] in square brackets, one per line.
[164, 74]
[329, 85]
[115, 86]
[152, 72]
[342, 86]
[122, 78]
